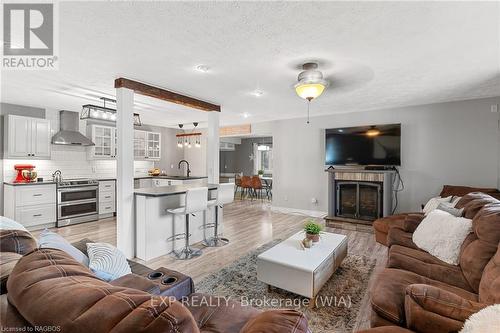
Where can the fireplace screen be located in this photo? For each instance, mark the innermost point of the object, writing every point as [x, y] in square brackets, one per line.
[359, 200]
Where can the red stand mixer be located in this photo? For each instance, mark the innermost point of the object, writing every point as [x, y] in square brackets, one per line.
[25, 173]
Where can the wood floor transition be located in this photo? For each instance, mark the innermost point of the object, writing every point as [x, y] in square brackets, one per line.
[248, 225]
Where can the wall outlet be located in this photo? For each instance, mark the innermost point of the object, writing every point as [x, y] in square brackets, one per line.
[494, 108]
[314, 201]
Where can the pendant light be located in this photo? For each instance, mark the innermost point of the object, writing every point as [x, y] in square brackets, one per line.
[103, 113]
[310, 83]
[188, 139]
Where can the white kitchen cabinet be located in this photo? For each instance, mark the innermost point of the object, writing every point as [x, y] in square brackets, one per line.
[104, 138]
[147, 145]
[107, 198]
[27, 138]
[140, 138]
[153, 144]
[166, 182]
[32, 205]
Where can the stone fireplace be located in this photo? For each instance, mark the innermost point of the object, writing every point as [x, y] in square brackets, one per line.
[358, 195]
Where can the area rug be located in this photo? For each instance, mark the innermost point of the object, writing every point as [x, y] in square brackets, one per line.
[338, 302]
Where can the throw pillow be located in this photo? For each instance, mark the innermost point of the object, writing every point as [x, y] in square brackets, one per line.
[434, 203]
[107, 262]
[486, 320]
[442, 234]
[49, 239]
[449, 208]
[9, 224]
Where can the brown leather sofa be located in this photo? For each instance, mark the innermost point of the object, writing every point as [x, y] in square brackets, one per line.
[48, 289]
[381, 226]
[422, 293]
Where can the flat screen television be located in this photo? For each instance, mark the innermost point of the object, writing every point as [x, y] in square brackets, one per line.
[364, 145]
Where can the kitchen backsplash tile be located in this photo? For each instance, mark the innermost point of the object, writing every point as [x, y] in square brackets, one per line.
[73, 163]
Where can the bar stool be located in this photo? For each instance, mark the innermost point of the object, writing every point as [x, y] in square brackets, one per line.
[224, 196]
[196, 200]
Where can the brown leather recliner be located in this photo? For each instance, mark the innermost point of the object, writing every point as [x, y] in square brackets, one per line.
[13, 244]
[49, 288]
[382, 226]
[426, 294]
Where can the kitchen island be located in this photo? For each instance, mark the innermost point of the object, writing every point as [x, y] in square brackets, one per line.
[154, 226]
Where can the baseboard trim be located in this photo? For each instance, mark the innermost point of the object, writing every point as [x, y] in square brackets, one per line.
[287, 210]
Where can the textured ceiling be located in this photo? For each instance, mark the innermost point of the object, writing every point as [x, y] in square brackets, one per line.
[376, 55]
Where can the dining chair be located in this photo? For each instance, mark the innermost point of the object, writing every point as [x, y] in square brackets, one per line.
[237, 184]
[257, 186]
[268, 186]
[246, 186]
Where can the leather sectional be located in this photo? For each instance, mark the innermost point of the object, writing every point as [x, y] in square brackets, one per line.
[48, 289]
[381, 226]
[424, 294]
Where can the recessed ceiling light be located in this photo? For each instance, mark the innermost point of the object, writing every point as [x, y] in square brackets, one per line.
[246, 115]
[202, 68]
[257, 93]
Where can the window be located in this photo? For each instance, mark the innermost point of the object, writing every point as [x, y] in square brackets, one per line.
[263, 158]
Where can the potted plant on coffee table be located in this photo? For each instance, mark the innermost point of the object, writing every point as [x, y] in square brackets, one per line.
[313, 230]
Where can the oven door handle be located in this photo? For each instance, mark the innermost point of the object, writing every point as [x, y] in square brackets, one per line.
[77, 202]
[78, 189]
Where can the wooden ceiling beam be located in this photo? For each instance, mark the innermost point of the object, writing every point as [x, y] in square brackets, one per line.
[165, 95]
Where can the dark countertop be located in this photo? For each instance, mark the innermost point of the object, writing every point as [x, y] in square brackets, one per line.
[104, 179]
[162, 177]
[162, 191]
[32, 183]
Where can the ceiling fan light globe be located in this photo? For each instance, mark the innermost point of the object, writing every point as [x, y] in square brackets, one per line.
[309, 90]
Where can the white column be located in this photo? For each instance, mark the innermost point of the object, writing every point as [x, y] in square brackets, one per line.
[213, 148]
[125, 218]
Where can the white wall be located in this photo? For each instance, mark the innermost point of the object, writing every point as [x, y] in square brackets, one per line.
[446, 143]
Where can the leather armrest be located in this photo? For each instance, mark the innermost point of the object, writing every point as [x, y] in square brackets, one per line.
[441, 302]
[276, 321]
[138, 282]
[412, 221]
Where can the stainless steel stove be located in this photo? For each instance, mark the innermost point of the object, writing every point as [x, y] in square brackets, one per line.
[77, 201]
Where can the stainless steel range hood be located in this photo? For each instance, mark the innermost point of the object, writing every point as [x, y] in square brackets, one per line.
[69, 133]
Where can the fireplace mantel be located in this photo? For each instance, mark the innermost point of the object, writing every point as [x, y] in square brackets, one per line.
[357, 175]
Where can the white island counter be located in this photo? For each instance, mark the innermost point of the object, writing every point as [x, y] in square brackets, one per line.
[154, 226]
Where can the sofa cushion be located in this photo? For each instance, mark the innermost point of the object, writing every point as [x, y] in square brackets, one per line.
[473, 202]
[216, 318]
[434, 203]
[400, 237]
[7, 262]
[17, 241]
[276, 321]
[425, 264]
[107, 262]
[52, 240]
[489, 287]
[10, 319]
[480, 248]
[460, 191]
[79, 302]
[383, 224]
[389, 290]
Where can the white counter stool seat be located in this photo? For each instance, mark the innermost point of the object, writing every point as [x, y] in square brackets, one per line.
[225, 195]
[196, 200]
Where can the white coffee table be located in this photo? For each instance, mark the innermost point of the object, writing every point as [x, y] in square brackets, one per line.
[288, 266]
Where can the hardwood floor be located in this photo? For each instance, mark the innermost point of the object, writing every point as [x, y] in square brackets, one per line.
[248, 225]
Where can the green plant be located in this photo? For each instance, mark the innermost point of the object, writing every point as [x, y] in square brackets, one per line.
[260, 172]
[313, 228]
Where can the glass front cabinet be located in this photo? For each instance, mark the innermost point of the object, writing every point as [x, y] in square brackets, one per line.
[147, 145]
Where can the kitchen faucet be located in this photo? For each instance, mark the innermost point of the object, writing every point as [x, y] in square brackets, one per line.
[187, 163]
